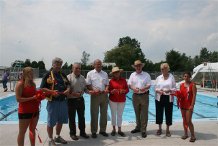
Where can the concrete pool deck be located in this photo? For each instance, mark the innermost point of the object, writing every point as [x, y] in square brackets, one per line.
[206, 132]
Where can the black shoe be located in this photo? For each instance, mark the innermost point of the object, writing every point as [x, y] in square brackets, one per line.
[121, 133]
[74, 137]
[135, 131]
[144, 134]
[84, 135]
[94, 135]
[113, 133]
[104, 134]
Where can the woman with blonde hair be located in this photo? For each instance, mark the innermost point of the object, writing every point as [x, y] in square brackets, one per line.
[28, 108]
[165, 84]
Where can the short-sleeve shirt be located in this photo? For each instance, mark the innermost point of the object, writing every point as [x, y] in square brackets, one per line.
[61, 82]
[139, 80]
[162, 84]
[77, 83]
[98, 80]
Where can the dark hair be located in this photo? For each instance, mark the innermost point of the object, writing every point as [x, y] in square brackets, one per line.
[188, 73]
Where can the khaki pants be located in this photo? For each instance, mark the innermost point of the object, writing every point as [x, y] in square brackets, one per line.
[140, 104]
[99, 101]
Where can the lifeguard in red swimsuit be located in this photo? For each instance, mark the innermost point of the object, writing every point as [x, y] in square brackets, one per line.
[28, 108]
[187, 101]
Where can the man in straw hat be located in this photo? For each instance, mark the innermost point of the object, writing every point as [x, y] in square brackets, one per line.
[98, 84]
[118, 89]
[140, 83]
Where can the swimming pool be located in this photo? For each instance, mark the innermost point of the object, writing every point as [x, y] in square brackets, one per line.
[205, 108]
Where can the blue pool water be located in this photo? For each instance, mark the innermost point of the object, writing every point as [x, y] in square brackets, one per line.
[205, 107]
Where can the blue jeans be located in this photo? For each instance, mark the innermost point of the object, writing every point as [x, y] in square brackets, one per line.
[4, 84]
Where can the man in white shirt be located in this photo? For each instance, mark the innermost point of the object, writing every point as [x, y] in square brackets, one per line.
[140, 83]
[98, 84]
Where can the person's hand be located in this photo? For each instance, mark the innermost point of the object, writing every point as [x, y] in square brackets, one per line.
[106, 91]
[54, 93]
[66, 92]
[167, 90]
[92, 92]
[113, 91]
[191, 108]
[136, 90]
[122, 91]
[143, 90]
[160, 92]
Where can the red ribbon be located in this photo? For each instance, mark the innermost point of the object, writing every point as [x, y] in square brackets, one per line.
[179, 96]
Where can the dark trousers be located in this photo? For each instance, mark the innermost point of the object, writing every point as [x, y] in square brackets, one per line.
[76, 105]
[164, 104]
[4, 82]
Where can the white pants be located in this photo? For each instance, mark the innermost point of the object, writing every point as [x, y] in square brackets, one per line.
[116, 112]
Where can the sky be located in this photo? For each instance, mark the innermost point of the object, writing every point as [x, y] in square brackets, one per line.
[45, 29]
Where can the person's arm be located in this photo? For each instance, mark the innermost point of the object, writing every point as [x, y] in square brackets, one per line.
[157, 90]
[131, 86]
[194, 91]
[18, 93]
[148, 84]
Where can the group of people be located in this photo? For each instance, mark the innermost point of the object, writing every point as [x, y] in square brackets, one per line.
[65, 99]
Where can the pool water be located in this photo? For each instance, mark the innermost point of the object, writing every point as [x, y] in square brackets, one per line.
[205, 107]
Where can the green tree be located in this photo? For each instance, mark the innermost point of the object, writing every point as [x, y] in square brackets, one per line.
[65, 66]
[213, 56]
[178, 61]
[27, 63]
[204, 55]
[124, 55]
[34, 64]
[85, 58]
[41, 65]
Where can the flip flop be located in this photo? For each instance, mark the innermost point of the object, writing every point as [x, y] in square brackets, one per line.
[159, 132]
[168, 134]
[184, 137]
[192, 139]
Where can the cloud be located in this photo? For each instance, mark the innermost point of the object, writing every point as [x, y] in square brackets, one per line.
[44, 29]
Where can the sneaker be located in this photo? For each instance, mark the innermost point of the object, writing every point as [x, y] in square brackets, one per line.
[59, 139]
[74, 137]
[104, 134]
[51, 143]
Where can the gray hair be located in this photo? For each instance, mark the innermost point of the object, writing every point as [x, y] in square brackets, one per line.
[57, 60]
[97, 60]
[76, 63]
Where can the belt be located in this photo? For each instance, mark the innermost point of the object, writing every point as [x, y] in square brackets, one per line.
[142, 93]
[79, 98]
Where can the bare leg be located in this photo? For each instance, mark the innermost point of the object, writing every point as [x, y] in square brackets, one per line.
[23, 125]
[185, 124]
[50, 132]
[58, 129]
[190, 124]
[32, 127]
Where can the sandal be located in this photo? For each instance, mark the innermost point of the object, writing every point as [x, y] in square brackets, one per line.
[159, 132]
[184, 137]
[168, 134]
[192, 139]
